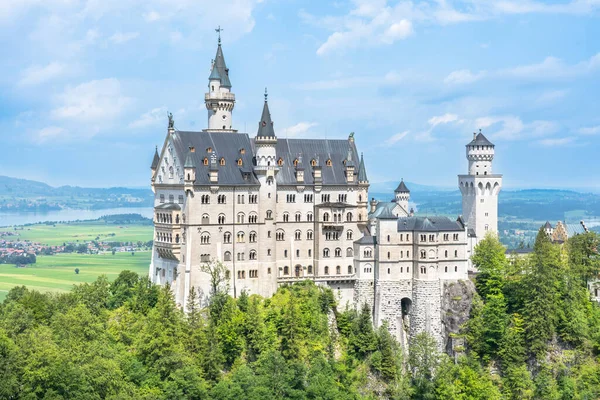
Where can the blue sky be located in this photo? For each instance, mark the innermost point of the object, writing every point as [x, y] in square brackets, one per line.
[86, 84]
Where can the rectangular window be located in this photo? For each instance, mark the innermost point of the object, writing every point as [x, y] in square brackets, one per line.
[162, 198]
[171, 198]
[180, 199]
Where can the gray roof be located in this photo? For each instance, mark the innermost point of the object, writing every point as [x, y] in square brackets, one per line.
[219, 69]
[428, 224]
[366, 240]
[168, 206]
[402, 188]
[362, 171]
[189, 161]
[547, 225]
[480, 140]
[518, 251]
[383, 210]
[156, 159]
[265, 126]
[574, 229]
[226, 145]
[319, 150]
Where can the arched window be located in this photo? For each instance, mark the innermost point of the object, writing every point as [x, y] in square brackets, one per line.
[298, 235]
[325, 252]
[368, 252]
[298, 217]
[227, 256]
[309, 269]
[227, 237]
[240, 162]
[252, 255]
[309, 235]
[252, 237]
[326, 217]
[295, 162]
[423, 254]
[253, 218]
[280, 162]
[349, 269]
[240, 237]
[205, 219]
[328, 162]
[286, 217]
[446, 269]
[313, 162]
[309, 217]
[338, 270]
[240, 218]
[209, 149]
[286, 270]
[349, 217]
[326, 270]
[222, 161]
[338, 252]
[349, 252]
[205, 161]
[349, 235]
[204, 238]
[177, 238]
[269, 214]
[221, 219]
[446, 253]
[389, 255]
[280, 235]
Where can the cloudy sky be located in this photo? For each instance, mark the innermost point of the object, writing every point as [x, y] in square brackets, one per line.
[85, 85]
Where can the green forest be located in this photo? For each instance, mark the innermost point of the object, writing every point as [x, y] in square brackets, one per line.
[533, 333]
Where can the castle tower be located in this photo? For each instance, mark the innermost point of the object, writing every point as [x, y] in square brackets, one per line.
[402, 195]
[480, 188]
[219, 99]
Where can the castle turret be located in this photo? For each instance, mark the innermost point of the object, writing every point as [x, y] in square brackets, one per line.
[214, 169]
[480, 188]
[189, 168]
[155, 162]
[402, 195]
[219, 100]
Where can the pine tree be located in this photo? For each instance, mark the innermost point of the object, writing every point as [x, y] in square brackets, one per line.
[490, 259]
[516, 378]
[362, 339]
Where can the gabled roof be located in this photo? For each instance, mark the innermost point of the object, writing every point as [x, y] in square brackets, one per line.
[366, 240]
[384, 210]
[219, 69]
[362, 171]
[156, 159]
[480, 140]
[265, 126]
[428, 224]
[402, 188]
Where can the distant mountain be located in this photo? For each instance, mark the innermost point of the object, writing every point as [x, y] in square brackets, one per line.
[390, 186]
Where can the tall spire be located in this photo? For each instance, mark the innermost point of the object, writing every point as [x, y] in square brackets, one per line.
[362, 172]
[265, 126]
[156, 159]
[219, 68]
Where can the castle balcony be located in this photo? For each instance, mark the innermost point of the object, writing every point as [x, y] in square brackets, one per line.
[219, 96]
[169, 251]
[321, 278]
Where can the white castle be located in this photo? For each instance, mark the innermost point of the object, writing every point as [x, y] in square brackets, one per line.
[276, 211]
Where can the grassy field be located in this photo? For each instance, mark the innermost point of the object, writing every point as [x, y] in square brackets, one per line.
[82, 232]
[57, 273]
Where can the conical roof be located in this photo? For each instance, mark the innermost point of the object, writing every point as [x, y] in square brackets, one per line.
[547, 225]
[362, 171]
[265, 126]
[219, 69]
[402, 188]
[480, 140]
[156, 159]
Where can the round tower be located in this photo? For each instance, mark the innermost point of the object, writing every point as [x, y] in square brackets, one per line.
[480, 189]
[219, 100]
[402, 195]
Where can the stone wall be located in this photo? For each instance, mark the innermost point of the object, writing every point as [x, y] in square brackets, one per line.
[456, 307]
[363, 293]
[425, 314]
[388, 306]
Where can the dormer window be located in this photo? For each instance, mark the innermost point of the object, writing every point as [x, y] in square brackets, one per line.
[222, 161]
[296, 162]
[240, 162]
[209, 149]
[242, 151]
[280, 161]
[328, 163]
[205, 161]
[313, 162]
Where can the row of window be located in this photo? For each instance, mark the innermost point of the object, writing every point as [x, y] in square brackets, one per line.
[432, 254]
[337, 217]
[166, 237]
[423, 238]
[164, 218]
[239, 161]
[279, 236]
[338, 252]
[309, 270]
[171, 198]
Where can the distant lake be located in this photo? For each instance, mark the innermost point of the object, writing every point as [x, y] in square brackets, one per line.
[32, 217]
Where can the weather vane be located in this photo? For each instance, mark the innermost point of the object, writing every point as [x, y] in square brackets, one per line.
[219, 30]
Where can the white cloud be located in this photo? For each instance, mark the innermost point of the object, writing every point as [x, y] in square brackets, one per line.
[396, 138]
[151, 16]
[51, 133]
[151, 118]
[590, 130]
[511, 127]
[551, 96]
[120, 37]
[551, 142]
[300, 129]
[398, 31]
[37, 74]
[443, 119]
[99, 101]
[463, 76]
